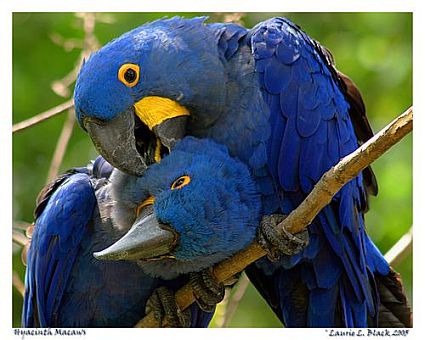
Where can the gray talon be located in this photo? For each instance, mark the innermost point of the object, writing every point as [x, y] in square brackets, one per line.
[280, 242]
[207, 291]
[165, 310]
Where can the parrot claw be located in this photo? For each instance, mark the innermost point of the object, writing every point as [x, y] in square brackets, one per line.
[277, 242]
[207, 291]
[162, 304]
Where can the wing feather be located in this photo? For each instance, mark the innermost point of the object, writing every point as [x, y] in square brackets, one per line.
[318, 117]
[61, 224]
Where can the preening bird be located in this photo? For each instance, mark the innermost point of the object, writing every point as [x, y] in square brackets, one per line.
[273, 96]
[195, 208]
[205, 202]
[192, 210]
[65, 286]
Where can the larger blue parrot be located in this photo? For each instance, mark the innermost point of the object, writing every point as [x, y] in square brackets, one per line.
[76, 216]
[273, 96]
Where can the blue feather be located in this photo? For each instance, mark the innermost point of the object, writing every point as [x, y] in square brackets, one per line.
[65, 285]
[271, 95]
[276, 76]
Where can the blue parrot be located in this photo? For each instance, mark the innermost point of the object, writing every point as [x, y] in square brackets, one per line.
[273, 96]
[67, 287]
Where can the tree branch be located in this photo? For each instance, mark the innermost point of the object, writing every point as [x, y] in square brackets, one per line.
[60, 87]
[400, 250]
[43, 116]
[61, 146]
[234, 299]
[348, 168]
[17, 283]
[19, 238]
[330, 183]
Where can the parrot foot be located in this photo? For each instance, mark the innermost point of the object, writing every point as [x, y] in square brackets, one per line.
[207, 291]
[165, 310]
[277, 242]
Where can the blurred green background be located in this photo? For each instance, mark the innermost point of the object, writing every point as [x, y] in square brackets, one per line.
[374, 49]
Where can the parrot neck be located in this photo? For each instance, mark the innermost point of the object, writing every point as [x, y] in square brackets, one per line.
[243, 122]
[244, 125]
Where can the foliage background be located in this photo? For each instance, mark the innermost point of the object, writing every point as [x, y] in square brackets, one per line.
[374, 49]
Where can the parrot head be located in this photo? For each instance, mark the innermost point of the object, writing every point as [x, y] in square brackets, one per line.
[135, 95]
[195, 208]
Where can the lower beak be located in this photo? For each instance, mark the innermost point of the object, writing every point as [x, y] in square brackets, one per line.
[164, 116]
[146, 239]
[171, 131]
[115, 141]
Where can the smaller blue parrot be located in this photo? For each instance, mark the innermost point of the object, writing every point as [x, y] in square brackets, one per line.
[199, 200]
[186, 221]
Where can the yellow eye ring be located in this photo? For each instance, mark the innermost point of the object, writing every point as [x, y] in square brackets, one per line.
[129, 74]
[180, 182]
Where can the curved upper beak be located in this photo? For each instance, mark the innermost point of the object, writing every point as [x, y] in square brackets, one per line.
[115, 141]
[146, 239]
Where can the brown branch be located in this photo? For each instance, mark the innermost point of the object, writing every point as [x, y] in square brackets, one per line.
[21, 225]
[43, 116]
[90, 42]
[334, 179]
[88, 45]
[18, 284]
[60, 87]
[330, 183]
[400, 250]
[19, 238]
[61, 146]
[234, 299]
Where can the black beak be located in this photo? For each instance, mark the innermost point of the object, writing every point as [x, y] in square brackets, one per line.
[171, 131]
[115, 141]
[146, 239]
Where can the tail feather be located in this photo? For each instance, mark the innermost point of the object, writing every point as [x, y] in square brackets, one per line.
[394, 309]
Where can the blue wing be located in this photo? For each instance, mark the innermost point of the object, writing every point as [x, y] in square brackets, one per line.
[311, 131]
[63, 216]
[65, 284]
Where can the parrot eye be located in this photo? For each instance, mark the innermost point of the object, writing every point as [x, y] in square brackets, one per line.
[128, 74]
[180, 182]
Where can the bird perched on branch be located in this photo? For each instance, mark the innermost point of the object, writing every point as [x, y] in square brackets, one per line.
[273, 96]
[194, 209]
[65, 286]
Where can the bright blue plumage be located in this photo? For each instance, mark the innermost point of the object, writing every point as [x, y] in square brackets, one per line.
[273, 97]
[215, 215]
[305, 105]
[65, 285]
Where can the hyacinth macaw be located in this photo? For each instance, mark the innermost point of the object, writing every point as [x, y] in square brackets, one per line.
[273, 96]
[83, 212]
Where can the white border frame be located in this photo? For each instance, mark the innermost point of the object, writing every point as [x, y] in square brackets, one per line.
[6, 10]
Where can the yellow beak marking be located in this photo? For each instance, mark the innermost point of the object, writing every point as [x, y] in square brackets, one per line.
[157, 155]
[153, 110]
